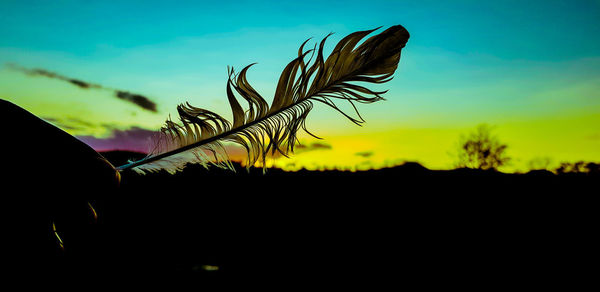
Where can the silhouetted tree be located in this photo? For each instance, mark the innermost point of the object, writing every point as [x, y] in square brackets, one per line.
[593, 168]
[481, 150]
[578, 167]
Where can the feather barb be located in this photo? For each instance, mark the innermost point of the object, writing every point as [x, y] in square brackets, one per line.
[262, 129]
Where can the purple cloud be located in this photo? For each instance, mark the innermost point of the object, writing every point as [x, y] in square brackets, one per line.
[133, 139]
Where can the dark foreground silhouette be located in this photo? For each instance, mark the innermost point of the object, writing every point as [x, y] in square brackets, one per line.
[398, 225]
[401, 226]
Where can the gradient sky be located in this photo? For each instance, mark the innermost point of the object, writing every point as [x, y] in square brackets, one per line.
[532, 70]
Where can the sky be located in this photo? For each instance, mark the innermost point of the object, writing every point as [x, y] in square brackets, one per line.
[111, 72]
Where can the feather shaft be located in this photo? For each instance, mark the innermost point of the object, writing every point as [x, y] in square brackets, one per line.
[264, 129]
[205, 141]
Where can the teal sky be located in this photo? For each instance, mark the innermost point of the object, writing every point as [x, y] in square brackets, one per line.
[535, 30]
[532, 69]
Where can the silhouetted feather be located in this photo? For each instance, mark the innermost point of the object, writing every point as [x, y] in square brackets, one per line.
[201, 134]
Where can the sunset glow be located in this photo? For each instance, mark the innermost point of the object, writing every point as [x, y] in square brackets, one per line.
[532, 71]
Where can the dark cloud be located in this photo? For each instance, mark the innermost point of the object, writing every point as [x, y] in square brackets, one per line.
[133, 139]
[53, 75]
[301, 148]
[40, 72]
[83, 84]
[365, 154]
[320, 146]
[137, 99]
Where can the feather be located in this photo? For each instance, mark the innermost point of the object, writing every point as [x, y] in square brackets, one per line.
[262, 129]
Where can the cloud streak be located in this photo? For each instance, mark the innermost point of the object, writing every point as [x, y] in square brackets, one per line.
[301, 148]
[137, 99]
[365, 154]
[133, 139]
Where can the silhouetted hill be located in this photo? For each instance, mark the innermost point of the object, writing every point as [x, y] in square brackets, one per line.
[410, 169]
[404, 223]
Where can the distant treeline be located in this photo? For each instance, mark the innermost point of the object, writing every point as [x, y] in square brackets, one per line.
[578, 167]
